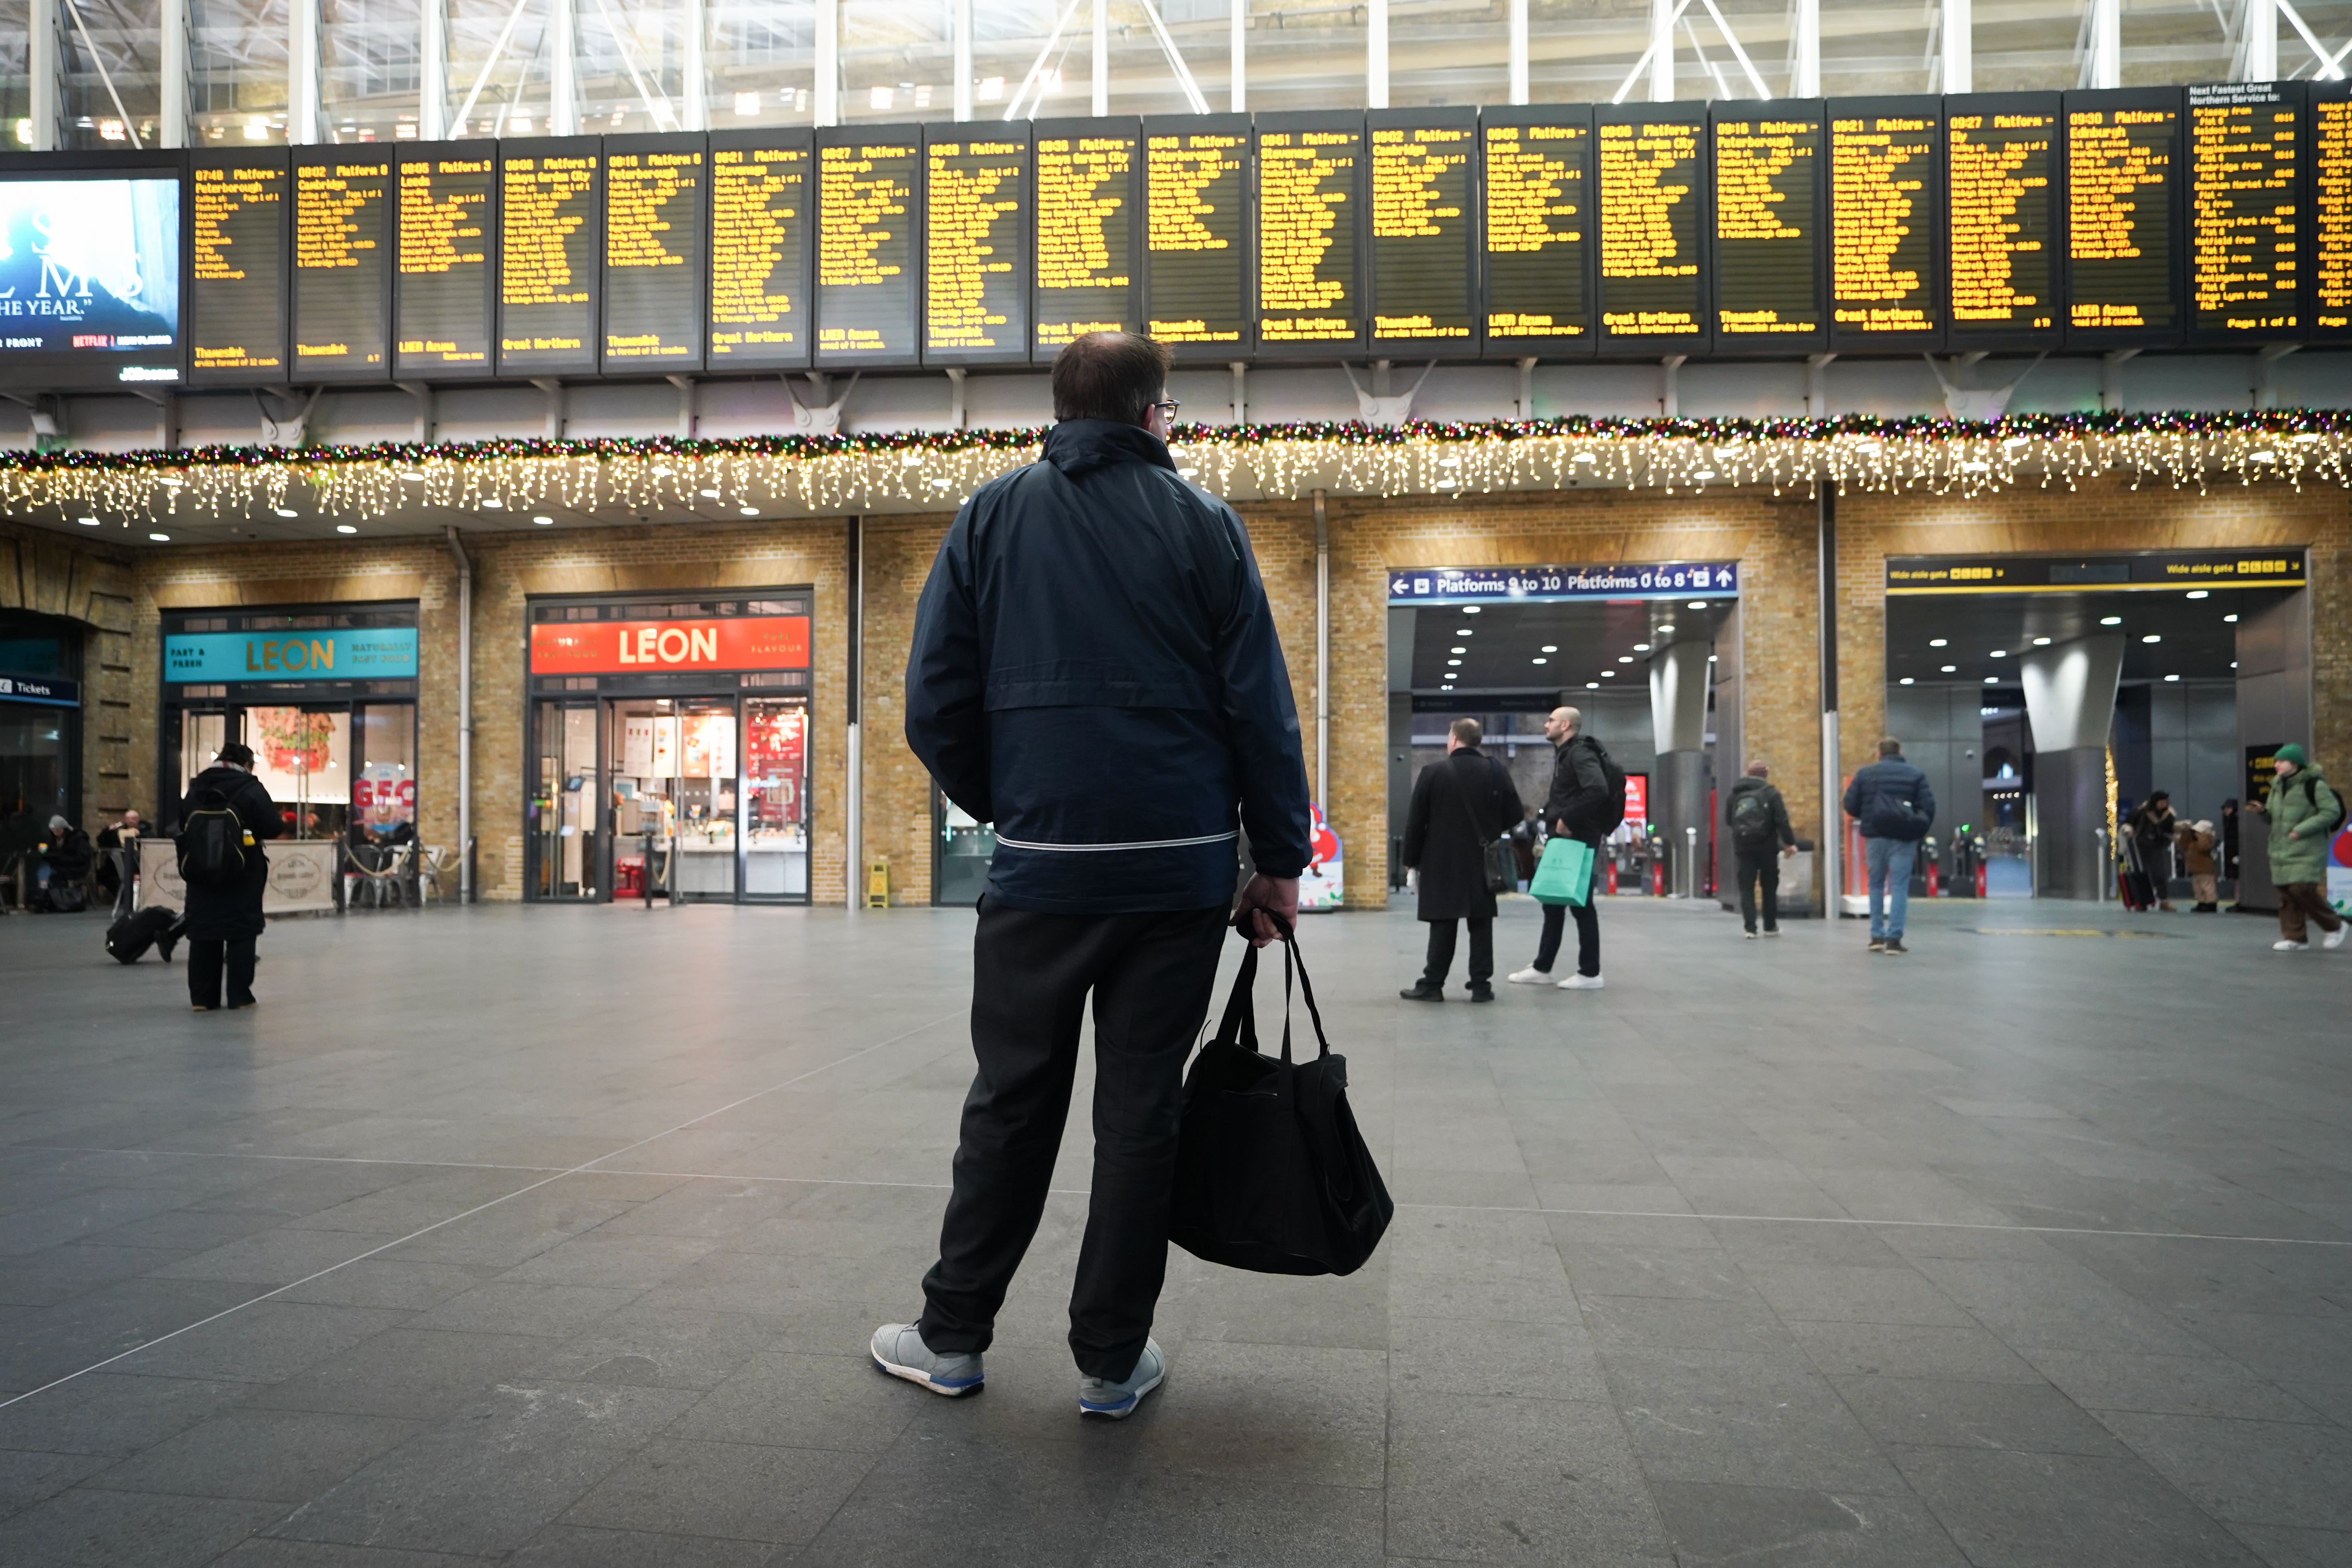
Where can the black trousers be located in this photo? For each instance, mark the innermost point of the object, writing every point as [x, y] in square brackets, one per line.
[1759, 865]
[1588, 936]
[205, 961]
[1441, 952]
[1150, 977]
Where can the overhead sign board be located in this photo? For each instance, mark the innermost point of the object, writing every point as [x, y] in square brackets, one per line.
[342, 653]
[1553, 585]
[2153, 569]
[646, 647]
[46, 690]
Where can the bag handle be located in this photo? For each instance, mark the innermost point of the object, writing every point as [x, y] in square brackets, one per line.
[1292, 959]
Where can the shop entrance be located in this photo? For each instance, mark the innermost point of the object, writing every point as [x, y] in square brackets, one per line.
[2046, 698]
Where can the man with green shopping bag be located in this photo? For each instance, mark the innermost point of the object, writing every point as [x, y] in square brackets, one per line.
[1586, 804]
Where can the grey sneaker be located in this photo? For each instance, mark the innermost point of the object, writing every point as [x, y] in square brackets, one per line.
[899, 1350]
[1116, 1400]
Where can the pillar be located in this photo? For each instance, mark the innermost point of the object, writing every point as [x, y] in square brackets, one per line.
[1678, 784]
[2070, 703]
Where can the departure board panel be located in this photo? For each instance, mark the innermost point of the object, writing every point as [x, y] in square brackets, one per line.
[1886, 219]
[342, 264]
[443, 303]
[2123, 283]
[656, 189]
[239, 205]
[551, 244]
[1310, 209]
[2002, 153]
[1197, 234]
[2245, 211]
[870, 216]
[1768, 225]
[976, 243]
[759, 227]
[1650, 161]
[1535, 175]
[2329, 304]
[1089, 201]
[1423, 288]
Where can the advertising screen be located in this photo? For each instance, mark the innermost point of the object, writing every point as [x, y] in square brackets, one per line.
[654, 231]
[1310, 203]
[976, 244]
[1768, 226]
[1886, 219]
[2123, 214]
[760, 249]
[444, 313]
[1424, 211]
[238, 204]
[1537, 168]
[869, 217]
[1196, 197]
[2002, 161]
[1089, 200]
[1653, 191]
[90, 277]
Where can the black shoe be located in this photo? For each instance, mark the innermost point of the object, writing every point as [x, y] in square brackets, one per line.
[1894, 945]
[1423, 992]
[1482, 991]
[1878, 944]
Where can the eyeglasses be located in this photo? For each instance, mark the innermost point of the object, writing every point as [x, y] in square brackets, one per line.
[1169, 405]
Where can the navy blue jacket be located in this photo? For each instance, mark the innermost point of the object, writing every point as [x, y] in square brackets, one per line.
[1891, 799]
[1095, 670]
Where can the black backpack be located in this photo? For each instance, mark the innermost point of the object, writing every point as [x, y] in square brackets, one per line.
[212, 844]
[1610, 815]
[2311, 799]
[1751, 819]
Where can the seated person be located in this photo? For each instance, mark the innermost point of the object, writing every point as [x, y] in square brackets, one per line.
[64, 859]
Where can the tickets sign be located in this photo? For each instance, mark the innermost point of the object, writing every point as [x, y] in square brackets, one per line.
[645, 648]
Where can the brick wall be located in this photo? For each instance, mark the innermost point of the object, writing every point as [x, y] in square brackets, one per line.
[55, 575]
[898, 551]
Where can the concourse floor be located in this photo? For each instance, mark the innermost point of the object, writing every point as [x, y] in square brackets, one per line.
[555, 1237]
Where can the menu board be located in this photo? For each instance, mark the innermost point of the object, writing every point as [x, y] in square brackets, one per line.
[1652, 165]
[1886, 219]
[445, 304]
[870, 214]
[1310, 204]
[1536, 171]
[342, 264]
[1768, 225]
[1196, 212]
[2003, 154]
[1423, 286]
[2245, 211]
[760, 204]
[551, 240]
[654, 244]
[976, 212]
[238, 207]
[2329, 306]
[1089, 175]
[2123, 212]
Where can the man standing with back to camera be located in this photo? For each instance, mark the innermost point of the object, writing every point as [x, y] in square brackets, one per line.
[1096, 671]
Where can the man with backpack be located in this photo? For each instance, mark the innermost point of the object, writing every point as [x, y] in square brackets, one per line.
[1891, 800]
[226, 814]
[1587, 802]
[2305, 817]
[1759, 820]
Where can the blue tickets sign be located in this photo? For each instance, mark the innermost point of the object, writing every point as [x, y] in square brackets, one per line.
[1551, 585]
[46, 690]
[346, 653]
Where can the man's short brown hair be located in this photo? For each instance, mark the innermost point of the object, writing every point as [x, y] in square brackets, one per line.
[1116, 376]
[1888, 746]
[1469, 731]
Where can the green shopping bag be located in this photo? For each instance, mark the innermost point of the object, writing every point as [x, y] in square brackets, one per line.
[1565, 874]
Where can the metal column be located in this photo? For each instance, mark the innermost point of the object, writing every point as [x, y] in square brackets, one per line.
[1240, 67]
[1518, 55]
[1662, 50]
[698, 67]
[172, 127]
[1805, 50]
[1959, 45]
[959, 18]
[1376, 54]
[563, 68]
[827, 101]
[1832, 775]
[2261, 57]
[302, 73]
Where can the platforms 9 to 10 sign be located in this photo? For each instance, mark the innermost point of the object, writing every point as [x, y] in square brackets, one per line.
[2199, 216]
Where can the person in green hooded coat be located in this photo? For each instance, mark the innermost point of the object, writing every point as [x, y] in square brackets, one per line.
[2303, 816]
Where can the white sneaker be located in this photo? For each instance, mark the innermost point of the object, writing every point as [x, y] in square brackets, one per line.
[2285, 946]
[2335, 939]
[1581, 983]
[1530, 975]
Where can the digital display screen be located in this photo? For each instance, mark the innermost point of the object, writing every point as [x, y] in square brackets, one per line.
[2245, 210]
[654, 250]
[1653, 172]
[976, 243]
[551, 240]
[1424, 217]
[1768, 225]
[869, 211]
[2330, 304]
[89, 278]
[238, 208]
[1886, 215]
[1310, 203]
[1088, 201]
[343, 265]
[1197, 233]
[2123, 211]
[1537, 174]
[760, 249]
[444, 312]
[2001, 157]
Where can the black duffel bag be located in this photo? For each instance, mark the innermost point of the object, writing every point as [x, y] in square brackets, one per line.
[1272, 1175]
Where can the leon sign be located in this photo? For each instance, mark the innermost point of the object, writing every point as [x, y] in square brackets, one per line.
[628, 648]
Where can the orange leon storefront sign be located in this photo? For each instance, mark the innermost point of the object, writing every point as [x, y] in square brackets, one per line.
[616, 647]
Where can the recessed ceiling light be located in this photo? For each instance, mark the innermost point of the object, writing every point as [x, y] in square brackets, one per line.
[1640, 648]
[1905, 681]
[1668, 628]
[1950, 668]
[412, 475]
[1998, 653]
[2197, 592]
[1592, 686]
[1939, 642]
[1452, 664]
[345, 528]
[544, 522]
[1992, 680]
[1607, 673]
[1698, 603]
[2172, 677]
[1457, 649]
[2040, 642]
[160, 538]
[286, 511]
[2111, 620]
[492, 503]
[1464, 631]
[1538, 660]
[2229, 620]
[749, 510]
[707, 495]
[87, 521]
[1624, 659]
[2151, 638]
[1472, 609]
[1551, 648]
[2233, 664]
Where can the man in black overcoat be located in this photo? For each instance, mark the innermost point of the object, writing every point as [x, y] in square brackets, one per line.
[1460, 805]
[224, 924]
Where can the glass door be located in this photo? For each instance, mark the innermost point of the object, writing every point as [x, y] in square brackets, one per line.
[566, 847]
[707, 796]
[302, 756]
[962, 848]
[775, 785]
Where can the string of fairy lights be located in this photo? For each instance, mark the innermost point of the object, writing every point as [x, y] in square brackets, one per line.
[764, 476]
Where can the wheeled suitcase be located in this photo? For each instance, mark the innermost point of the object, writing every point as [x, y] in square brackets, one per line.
[129, 938]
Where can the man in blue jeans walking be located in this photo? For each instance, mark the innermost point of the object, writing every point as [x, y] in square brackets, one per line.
[1891, 801]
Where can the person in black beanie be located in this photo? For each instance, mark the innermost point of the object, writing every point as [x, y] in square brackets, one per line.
[224, 920]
